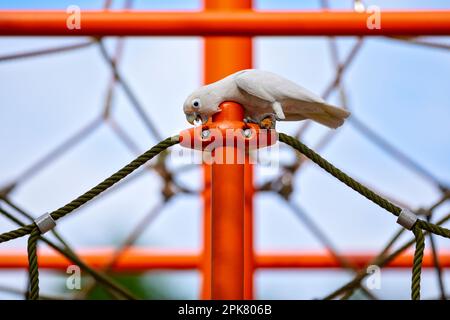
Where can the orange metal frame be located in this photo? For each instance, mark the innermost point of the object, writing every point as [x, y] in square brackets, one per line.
[138, 259]
[227, 259]
[234, 19]
[223, 56]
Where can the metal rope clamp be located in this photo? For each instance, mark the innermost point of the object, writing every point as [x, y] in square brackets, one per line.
[45, 223]
[407, 219]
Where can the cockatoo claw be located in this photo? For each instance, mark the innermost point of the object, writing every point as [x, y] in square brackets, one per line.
[268, 121]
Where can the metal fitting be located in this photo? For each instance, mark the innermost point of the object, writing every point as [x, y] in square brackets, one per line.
[206, 133]
[247, 132]
[407, 219]
[45, 223]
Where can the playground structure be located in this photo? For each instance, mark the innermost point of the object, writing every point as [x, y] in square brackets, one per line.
[227, 260]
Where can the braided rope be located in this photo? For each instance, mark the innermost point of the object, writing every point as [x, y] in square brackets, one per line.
[34, 232]
[417, 264]
[116, 177]
[372, 196]
[343, 177]
[33, 270]
[430, 227]
[20, 232]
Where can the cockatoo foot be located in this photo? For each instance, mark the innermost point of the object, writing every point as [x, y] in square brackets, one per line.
[268, 121]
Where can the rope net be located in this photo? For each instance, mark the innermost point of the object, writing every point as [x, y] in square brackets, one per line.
[171, 187]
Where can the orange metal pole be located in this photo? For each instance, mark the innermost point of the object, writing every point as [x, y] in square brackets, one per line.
[227, 22]
[223, 56]
[227, 225]
[137, 259]
[249, 254]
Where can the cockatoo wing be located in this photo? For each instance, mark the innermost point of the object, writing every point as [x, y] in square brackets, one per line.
[297, 102]
[271, 87]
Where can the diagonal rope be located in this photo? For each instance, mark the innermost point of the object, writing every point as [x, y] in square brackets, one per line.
[142, 225]
[95, 191]
[324, 164]
[336, 82]
[380, 201]
[30, 218]
[381, 260]
[20, 292]
[108, 4]
[323, 238]
[383, 257]
[100, 277]
[116, 177]
[355, 185]
[393, 151]
[151, 127]
[47, 51]
[71, 206]
[55, 153]
[436, 262]
[421, 42]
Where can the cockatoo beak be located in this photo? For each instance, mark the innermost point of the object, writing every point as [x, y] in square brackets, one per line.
[204, 119]
[192, 118]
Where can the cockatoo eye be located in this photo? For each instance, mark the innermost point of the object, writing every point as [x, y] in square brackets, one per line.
[196, 103]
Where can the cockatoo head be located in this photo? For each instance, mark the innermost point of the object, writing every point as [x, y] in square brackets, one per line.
[200, 105]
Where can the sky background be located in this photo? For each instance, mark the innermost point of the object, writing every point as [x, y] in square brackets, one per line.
[400, 90]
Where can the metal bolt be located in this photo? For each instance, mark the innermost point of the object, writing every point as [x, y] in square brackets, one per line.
[205, 133]
[247, 132]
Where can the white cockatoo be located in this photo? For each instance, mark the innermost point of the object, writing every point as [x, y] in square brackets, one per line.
[264, 96]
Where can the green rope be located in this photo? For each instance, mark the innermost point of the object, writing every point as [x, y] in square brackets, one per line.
[372, 196]
[430, 227]
[417, 264]
[343, 177]
[33, 271]
[381, 260]
[22, 231]
[116, 177]
[102, 278]
[75, 204]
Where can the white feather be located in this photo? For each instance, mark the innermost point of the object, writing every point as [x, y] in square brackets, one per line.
[261, 93]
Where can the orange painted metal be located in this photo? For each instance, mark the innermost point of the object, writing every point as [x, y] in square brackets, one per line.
[229, 146]
[229, 249]
[206, 257]
[227, 261]
[137, 259]
[226, 129]
[226, 22]
[224, 56]
[227, 213]
[249, 254]
[132, 259]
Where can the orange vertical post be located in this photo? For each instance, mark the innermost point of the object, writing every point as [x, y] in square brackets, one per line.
[223, 56]
[227, 214]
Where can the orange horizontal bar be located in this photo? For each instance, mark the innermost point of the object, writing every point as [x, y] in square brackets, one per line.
[240, 23]
[323, 260]
[134, 259]
[143, 259]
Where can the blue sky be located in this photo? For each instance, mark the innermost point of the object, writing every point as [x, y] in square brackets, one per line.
[401, 91]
